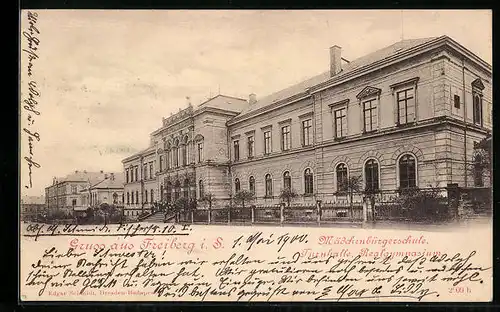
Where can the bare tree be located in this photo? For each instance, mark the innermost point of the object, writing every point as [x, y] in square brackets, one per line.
[352, 185]
[243, 197]
[288, 195]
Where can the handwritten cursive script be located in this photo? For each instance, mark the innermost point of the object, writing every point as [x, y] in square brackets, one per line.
[30, 101]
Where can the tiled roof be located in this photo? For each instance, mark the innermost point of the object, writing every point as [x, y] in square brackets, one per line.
[381, 54]
[225, 102]
[109, 183]
[82, 176]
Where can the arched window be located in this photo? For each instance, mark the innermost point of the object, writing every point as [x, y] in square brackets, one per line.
[371, 175]
[184, 152]
[308, 182]
[287, 180]
[269, 186]
[342, 178]
[200, 188]
[236, 185]
[186, 188]
[176, 153]
[251, 185]
[168, 157]
[128, 198]
[407, 172]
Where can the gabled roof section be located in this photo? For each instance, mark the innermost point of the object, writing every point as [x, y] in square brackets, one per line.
[368, 91]
[301, 88]
[478, 83]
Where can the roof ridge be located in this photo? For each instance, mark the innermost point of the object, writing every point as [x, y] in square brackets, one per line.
[324, 76]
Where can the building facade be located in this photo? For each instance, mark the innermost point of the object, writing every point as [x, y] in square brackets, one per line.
[65, 193]
[107, 191]
[406, 116]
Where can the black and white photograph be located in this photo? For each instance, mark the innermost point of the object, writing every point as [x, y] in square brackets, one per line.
[353, 147]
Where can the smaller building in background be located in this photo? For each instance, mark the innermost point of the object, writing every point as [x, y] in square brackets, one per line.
[109, 191]
[32, 206]
[64, 195]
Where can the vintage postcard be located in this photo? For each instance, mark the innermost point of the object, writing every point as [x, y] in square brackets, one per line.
[256, 156]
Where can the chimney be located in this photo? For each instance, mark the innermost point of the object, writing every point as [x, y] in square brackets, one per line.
[102, 171]
[335, 60]
[76, 171]
[105, 176]
[84, 171]
[252, 98]
[188, 100]
[112, 176]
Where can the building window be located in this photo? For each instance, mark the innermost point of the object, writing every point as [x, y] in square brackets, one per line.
[73, 189]
[127, 177]
[146, 197]
[286, 142]
[456, 101]
[251, 185]
[152, 196]
[477, 112]
[340, 122]
[131, 174]
[200, 152]
[406, 106]
[287, 180]
[145, 171]
[371, 175]
[236, 185]
[136, 197]
[269, 186]
[128, 198]
[251, 146]
[306, 132]
[308, 182]
[200, 188]
[186, 188]
[132, 197]
[342, 179]
[168, 158]
[136, 173]
[370, 115]
[407, 172]
[267, 142]
[161, 163]
[236, 145]
[151, 175]
[185, 152]
[176, 154]
[73, 202]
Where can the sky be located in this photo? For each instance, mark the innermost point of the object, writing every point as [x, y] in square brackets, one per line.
[106, 78]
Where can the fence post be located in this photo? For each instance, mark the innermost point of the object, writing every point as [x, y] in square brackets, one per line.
[229, 215]
[282, 213]
[253, 214]
[318, 209]
[209, 215]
